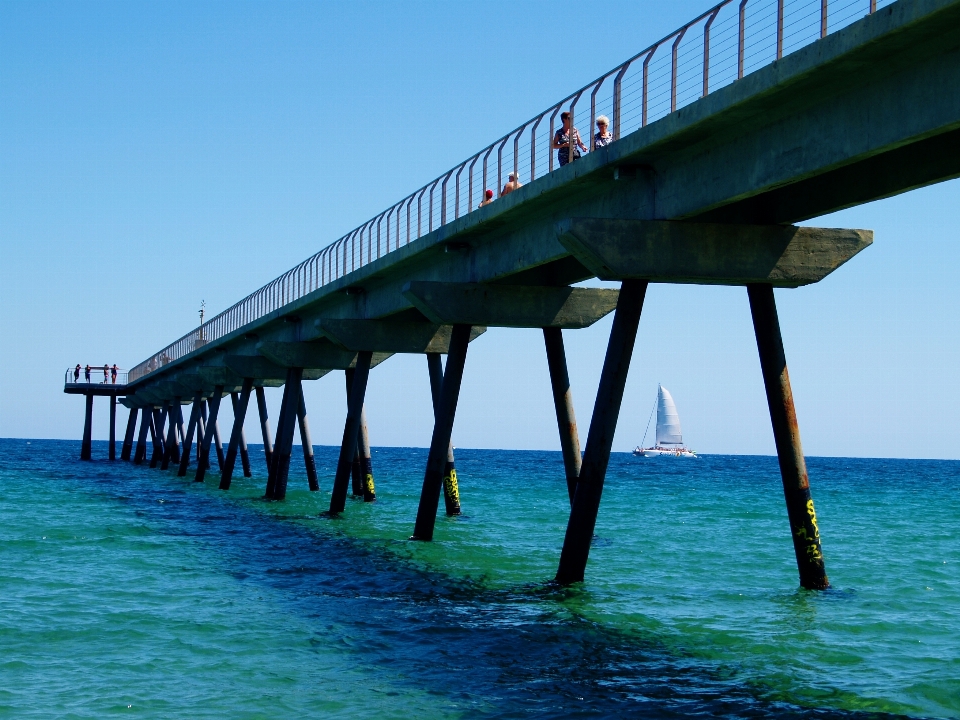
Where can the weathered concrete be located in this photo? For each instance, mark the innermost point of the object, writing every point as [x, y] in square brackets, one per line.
[510, 306]
[265, 372]
[709, 253]
[319, 357]
[390, 336]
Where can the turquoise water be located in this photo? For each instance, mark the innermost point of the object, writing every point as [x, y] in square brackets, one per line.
[128, 591]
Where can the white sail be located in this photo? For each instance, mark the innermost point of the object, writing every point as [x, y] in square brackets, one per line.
[668, 422]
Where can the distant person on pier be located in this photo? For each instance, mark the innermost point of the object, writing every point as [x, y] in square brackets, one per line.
[562, 140]
[113, 374]
[86, 373]
[487, 198]
[603, 136]
[106, 372]
[76, 373]
[512, 184]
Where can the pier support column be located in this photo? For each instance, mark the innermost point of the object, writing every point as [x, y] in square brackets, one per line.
[173, 426]
[356, 468]
[203, 458]
[563, 403]
[451, 488]
[307, 442]
[603, 426]
[85, 445]
[446, 409]
[127, 446]
[157, 419]
[236, 435]
[369, 489]
[283, 449]
[265, 427]
[178, 438]
[217, 444]
[202, 430]
[112, 449]
[786, 434]
[191, 429]
[351, 429]
[146, 417]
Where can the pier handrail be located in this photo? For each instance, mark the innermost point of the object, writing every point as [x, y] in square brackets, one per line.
[96, 376]
[721, 54]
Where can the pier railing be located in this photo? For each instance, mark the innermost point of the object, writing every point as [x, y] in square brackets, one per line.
[728, 41]
[71, 377]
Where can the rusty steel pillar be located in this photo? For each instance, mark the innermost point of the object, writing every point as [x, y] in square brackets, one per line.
[265, 427]
[356, 468]
[563, 403]
[112, 449]
[283, 449]
[369, 490]
[603, 425]
[127, 446]
[451, 488]
[786, 434]
[307, 442]
[203, 457]
[191, 429]
[146, 417]
[171, 442]
[158, 419]
[351, 429]
[445, 411]
[236, 434]
[87, 442]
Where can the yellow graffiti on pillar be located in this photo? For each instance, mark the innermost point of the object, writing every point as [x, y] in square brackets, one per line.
[450, 486]
[368, 487]
[813, 518]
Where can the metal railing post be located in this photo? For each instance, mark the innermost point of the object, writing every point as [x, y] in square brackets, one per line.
[500, 166]
[673, 70]
[779, 29]
[553, 118]
[533, 147]
[706, 51]
[593, 111]
[873, 6]
[456, 192]
[823, 18]
[470, 183]
[743, 18]
[617, 111]
[646, 75]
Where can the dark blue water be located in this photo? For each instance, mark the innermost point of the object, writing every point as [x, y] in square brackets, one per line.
[125, 590]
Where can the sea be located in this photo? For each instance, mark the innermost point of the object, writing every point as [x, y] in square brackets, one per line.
[130, 592]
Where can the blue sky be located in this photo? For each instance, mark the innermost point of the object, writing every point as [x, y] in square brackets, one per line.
[153, 155]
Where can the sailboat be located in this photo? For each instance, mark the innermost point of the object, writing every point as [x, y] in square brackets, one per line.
[669, 438]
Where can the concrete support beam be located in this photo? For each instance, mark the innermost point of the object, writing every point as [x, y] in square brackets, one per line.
[146, 416]
[112, 449]
[191, 429]
[265, 372]
[280, 467]
[214, 375]
[319, 357]
[390, 336]
[306, 443]
[509, 305]
[709, 253]
[158, 419]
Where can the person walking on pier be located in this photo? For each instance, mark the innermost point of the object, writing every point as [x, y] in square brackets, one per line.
[603, 136]
[76, 373]
[86, 373]
[113, 374]
[563, 138]
[106, 373]
[512, 184]
[487, 198]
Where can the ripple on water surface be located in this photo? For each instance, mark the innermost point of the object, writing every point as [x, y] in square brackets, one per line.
[128, 590]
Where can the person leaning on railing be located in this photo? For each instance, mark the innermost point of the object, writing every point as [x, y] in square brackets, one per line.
[561, 141]
[86, 373]
[603, 136]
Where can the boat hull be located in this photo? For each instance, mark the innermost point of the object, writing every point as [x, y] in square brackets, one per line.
[664, 452]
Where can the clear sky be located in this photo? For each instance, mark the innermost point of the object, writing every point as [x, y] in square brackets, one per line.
[153, 155]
